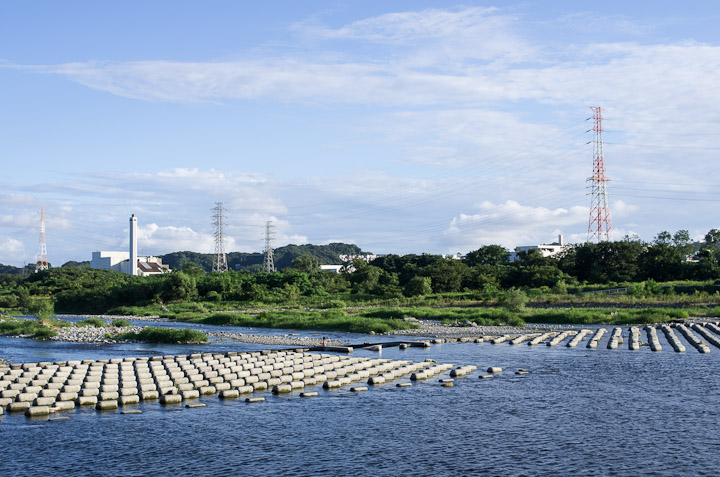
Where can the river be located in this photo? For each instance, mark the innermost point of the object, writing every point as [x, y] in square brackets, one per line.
[578, 412]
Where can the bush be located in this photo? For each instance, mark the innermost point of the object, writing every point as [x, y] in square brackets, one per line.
[212, 295]
[43, 333]
[120, 323]
[39, 306]
[96, 322]
[513, 300]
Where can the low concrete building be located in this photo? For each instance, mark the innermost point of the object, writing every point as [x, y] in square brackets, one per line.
[331, 268]
[546, 250]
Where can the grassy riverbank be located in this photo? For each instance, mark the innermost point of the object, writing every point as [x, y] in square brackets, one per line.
[40, 328]
[163, 335]
[332, 320]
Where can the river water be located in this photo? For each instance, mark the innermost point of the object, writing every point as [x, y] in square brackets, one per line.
[578, 412]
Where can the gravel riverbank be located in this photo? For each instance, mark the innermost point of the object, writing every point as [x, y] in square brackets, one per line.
[92, 334]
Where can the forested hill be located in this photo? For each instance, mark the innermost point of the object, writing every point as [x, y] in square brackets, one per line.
[283, 256]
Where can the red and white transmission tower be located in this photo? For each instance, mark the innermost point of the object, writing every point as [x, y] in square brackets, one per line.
[599, 226]
[42, 260]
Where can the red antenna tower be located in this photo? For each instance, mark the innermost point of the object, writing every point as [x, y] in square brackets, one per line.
[42, 260]
[599, 226]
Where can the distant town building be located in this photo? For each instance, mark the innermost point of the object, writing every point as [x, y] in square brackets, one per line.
[369, 257]
[546, 250]
[129, 262]
[332, 268]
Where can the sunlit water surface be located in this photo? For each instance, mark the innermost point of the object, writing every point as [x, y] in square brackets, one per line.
[579, 412]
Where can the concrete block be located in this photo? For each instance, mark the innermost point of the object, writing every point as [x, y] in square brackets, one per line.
[171, 399]
[282, 389]
[18, 406]
[86, 400]
[26, 397]
[149, 395]
[108, 405]
[43, 401]
[67, 396]
[35, 411]
[63, 406]
[108, 396]
[259, 386]
[190, 394]
[128, 400]
[204, 390]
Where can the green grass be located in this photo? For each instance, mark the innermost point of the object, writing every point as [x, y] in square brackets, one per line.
[331, 320]
[96, 322]
[120, 323]
[37, 328]
[163, 335]
[481, 316]
[605, 316]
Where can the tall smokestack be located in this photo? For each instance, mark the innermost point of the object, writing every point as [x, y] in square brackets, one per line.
[133, 269]
[561, 239]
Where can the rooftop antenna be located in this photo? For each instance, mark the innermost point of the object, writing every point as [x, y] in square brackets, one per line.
[599, 225]
[42, 260]
[268, 263]
[220, 263]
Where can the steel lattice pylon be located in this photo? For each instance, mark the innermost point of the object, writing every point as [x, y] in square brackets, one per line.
[220, 263]
[599, 225]
[268, 263]
[42, 259]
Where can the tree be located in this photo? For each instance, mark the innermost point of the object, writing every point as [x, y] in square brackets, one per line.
[447, 275]
[306, 264]
[418, 286]
[192, 269]
[495, 255]
[178, 286]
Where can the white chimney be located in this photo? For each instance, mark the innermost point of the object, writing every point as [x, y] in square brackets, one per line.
[133, 269]
[561, 239]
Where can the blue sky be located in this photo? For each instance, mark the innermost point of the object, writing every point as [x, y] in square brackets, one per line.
[421, 126]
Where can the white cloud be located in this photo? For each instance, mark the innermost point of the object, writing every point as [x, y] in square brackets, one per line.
[11, 250]
[164, 239]
[510, 224]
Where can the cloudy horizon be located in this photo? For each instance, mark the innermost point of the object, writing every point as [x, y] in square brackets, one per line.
[407, 127]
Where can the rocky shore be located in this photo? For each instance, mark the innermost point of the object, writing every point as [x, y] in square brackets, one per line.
[275, 340]
[91, 334]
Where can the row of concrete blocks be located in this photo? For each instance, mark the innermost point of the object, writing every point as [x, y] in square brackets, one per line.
[302, 369]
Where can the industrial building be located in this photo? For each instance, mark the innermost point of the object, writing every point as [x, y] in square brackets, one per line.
[546, 250]
[129, 262]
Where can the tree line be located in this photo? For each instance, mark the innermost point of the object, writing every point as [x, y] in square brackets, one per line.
[485, 270]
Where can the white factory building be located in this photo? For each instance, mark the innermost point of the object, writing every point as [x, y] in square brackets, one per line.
[129, 262]
[545, 249]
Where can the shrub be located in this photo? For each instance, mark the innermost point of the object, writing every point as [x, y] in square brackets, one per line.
[212, 295]
[120, 323]
[43, 333]
[513, 300]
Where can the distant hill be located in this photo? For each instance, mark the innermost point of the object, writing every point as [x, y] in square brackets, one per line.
[282, 256]
[11, 270]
